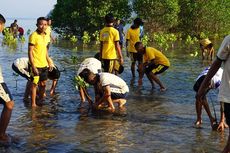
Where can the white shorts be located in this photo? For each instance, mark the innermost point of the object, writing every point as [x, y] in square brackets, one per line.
[5, 95]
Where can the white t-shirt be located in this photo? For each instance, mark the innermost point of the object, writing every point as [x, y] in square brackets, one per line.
[92, 64]
[117, 85]
[216, 79]
[224, 54]
[22, 65]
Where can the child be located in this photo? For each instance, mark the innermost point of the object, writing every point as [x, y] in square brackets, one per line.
[6, 100]
[213, 84]
[206, 46]
[133, 36]
[21, 67]
[110, 49]
[94, 66]
[109, 88]
[223, 56]
[154, 62]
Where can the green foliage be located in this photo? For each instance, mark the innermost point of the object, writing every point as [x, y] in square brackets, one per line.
[74, 59]
[77, 16]
[145, 39]
[80, 82]
[73, 39]
[8, 37]
[86, 38]
[161, 15]
[190, 41]
[96, 36]
[210, 17]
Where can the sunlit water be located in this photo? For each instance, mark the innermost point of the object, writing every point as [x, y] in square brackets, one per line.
[154, 122]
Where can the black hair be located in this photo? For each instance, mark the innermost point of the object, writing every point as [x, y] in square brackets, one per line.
[85, 74]
[109, 18]
[137, 44]
[2, 19]
[41, 18]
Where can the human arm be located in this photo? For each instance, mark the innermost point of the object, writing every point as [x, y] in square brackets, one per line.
[118, 49]
[49, 60]
[221, 125]
[31, 59]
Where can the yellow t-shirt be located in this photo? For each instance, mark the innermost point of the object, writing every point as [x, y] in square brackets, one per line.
[48, 31]
[159, 58]
[40, 43]
[108, 36]
[133, 36]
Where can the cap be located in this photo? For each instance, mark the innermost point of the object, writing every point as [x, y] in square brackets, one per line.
[205, 42]
[138, 21]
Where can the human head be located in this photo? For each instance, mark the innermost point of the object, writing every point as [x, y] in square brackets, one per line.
[2, 22]
[15, 21]
[49, 21]
[88, 76]
[139, 47]
[41, 24]
[138, 22]
[109, 19]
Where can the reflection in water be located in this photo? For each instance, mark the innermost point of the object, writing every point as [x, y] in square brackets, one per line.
[153, 121]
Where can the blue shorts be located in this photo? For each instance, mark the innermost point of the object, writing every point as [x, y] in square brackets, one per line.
[118, 95]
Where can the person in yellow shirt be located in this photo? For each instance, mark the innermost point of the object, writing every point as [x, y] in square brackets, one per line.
[49, 30]
[39, 59]
[133, 36]
[154, 63]
[110, 50]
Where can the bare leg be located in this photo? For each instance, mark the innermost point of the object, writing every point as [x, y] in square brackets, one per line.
[227, 147]
[207, 109]
[198, 112]
[54, 84]
[121, 102]
[5, 118]
[133, 69]
[33, 94]
[42, 89]
[28, 90]
[157, 80]
[151, 81]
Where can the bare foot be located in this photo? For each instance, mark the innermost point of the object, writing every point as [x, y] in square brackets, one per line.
[198, 123]
[163, 89]
[5, 140]
[122, 103]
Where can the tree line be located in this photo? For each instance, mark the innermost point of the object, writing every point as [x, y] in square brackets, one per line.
[185, 17]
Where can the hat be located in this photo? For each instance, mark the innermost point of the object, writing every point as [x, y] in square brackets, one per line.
[118, 67]
[205, 42]
[138, 21]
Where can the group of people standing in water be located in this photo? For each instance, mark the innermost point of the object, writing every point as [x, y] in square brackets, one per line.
[102, 72]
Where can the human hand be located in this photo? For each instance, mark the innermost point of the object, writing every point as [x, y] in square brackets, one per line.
[35, 71]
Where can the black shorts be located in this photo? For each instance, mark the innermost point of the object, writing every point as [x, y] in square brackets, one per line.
[108, 65]
[155, 69]
[5, 95]
[227, 112]
[198, 84]
[118, 95]
[18, 72]
[54, 74]
[43, 73]
[136, 57]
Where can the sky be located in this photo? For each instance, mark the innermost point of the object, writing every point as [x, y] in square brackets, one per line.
[26, 8]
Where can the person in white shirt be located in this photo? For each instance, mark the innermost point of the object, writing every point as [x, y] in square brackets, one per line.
[223, 56]
[6, 100]
[94, 66]
[109, 88]
[213, 84]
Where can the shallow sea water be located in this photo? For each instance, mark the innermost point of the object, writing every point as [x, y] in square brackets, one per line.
[153, 122]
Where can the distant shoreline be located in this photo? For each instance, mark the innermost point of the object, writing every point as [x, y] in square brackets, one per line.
[19, 18]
